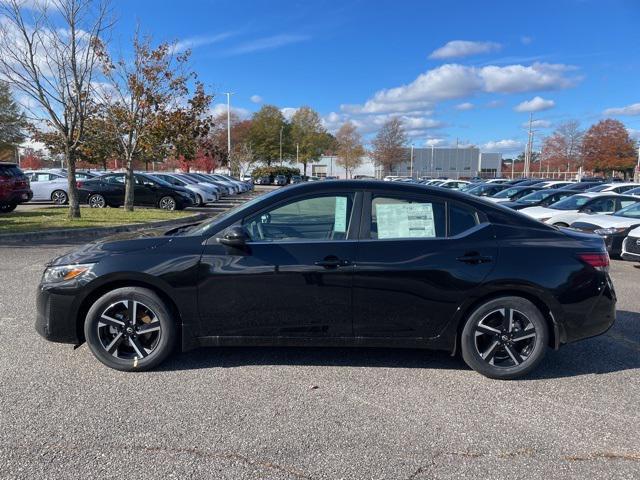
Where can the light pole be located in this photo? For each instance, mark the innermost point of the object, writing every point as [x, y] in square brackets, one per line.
[637, 172]
[228, 94]
[411, 166]
[281, 129]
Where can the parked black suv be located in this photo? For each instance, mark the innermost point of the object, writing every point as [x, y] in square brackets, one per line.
[14, 187]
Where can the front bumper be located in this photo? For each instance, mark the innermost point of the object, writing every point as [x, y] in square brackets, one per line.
[56, 313]
[631, 249]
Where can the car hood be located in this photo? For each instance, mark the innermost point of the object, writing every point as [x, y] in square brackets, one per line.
[124, 242]
[605, 221]
[542, 212]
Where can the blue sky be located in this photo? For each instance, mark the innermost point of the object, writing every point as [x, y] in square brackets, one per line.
[465, 70]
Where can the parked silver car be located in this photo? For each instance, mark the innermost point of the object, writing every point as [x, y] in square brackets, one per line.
[48, 186]
[204, 193]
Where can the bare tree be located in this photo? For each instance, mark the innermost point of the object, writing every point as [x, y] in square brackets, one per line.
[349, 149]
[48, 53]
[563, 148]
[389, 145]
[138, 98]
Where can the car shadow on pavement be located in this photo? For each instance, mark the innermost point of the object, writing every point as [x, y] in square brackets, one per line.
[615, 351]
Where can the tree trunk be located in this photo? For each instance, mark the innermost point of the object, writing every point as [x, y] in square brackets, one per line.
[129, 186]
[74, 204]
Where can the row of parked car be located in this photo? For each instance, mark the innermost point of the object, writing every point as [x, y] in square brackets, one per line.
[611, 210]
[169, 191]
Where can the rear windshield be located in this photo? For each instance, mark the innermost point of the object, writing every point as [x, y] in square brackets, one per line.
[508, 193]
[535, 197]
[632, 211]
[571, 203]
[10, 171]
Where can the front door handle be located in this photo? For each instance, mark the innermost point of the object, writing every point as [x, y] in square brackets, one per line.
[474, 259]
[332, 262]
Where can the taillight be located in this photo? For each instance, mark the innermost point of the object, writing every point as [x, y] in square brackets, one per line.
[598, 260]
[79, 184]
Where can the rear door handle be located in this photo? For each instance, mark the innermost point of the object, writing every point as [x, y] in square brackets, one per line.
[332, 263]
[475, 259]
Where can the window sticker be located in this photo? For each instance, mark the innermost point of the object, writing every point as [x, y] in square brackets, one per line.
[340, 222]
[405, 220]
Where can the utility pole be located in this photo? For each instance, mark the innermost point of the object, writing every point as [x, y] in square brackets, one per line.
[432, 159]
[411, 165]
[297, 153]
[228, 94]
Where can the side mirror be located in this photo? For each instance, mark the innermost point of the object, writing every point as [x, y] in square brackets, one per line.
[234, 237]
[586, 210]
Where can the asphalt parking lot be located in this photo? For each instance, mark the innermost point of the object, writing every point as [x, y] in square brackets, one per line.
[311, 413]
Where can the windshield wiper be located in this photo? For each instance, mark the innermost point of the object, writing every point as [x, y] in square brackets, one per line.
[181, 228]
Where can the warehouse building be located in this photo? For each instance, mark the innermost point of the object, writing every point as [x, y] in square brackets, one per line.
[419, 162]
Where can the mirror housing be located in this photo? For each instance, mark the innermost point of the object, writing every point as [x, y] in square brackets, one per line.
[235, 237]
[586, 210]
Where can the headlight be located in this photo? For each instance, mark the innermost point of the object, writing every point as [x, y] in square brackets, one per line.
[609, 231]
[65, 273]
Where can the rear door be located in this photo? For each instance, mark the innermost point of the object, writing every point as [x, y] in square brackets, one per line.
[418, 257]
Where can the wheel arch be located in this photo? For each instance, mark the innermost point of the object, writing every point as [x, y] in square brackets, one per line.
[113, 284]
[555, 334]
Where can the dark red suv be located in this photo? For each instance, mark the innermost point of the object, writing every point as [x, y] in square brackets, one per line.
[14, 187]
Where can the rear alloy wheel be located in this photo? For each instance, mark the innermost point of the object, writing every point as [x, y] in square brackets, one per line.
[505, 338]
[8, 207]
[59, 197]
[130, 329]
[199, 201]
[167, 203]
[97, 201]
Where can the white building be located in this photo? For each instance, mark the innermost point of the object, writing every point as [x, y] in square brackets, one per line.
[433, 162]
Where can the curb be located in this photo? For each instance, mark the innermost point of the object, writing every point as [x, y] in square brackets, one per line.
[72, 233]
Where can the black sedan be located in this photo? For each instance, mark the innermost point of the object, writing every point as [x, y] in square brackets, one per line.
[342, 263]
[540, 198]
[484, 189]
[108, 191]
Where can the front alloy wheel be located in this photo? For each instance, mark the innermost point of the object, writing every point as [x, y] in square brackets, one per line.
[130, 329]
[167, 203]
[504, 338]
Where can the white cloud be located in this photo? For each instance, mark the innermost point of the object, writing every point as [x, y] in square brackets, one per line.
[256, 98]
[288, 112]
[200, 41]
[414, 126]
[464, 48]
[536, 104]
[465, 106]
[634, 133]
[220, 108]
[633, 109]
[502, 146]
[494, 104]
[525, 40]
[452, 81]
[538, 124]
[435, 142]
[267, 43]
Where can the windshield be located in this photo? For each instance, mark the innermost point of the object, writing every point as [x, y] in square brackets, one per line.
[598, 188]
[208, 227]
[571, 203]
[631, 211]
[507, 193]
[186, 179]
[535, 197]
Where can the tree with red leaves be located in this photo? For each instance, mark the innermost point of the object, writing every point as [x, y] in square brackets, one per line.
[607, 147]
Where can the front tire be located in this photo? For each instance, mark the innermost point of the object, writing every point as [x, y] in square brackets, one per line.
[130, 329]
[8, 207]
[167, 203]
[505, 338]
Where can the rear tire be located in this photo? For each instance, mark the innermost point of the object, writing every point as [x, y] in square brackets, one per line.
[117, 338]
[505, 338]
[8, 207]
[59, 197]
[97, 201]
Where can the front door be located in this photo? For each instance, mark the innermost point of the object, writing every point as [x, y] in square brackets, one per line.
[419, 258]
[294, 277]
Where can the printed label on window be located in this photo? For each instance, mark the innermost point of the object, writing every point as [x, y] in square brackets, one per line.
[405, 220]
[340, 222]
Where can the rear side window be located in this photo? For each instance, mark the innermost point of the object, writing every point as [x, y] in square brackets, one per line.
[461, 219]
[395, 218]
[604, 205]
[10, 171]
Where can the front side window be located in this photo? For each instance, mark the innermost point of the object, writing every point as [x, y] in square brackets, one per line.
[604, 205]
[574, 202]
[310, 219]
[395, 218]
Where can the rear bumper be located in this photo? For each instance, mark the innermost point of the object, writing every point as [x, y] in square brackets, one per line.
[18, 196]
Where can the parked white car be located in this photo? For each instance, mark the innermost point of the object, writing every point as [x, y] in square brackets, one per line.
[554, 184]
[616, 187]
[577, 207]
[48, 186]
[631, 246]
[453, 184]
[497, 180]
